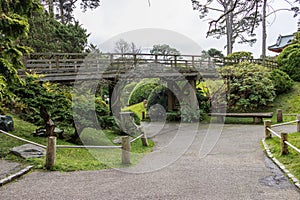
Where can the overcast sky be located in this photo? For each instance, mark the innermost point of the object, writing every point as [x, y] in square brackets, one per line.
[167, 21]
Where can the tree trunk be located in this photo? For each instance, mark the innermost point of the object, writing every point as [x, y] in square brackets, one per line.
[229, 21]
[264, 33]
[61, 9]
[50, 6]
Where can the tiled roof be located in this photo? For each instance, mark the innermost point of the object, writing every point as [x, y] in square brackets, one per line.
[282, 42]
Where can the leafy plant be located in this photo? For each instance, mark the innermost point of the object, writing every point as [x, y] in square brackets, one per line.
[33, 94]
[281, 80]
[248, 86]
[289, 61]
[240, 55]
[142, 91]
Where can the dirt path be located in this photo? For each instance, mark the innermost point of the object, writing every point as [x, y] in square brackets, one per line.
[235, 169]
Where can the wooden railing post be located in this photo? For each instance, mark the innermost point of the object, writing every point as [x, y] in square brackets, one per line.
[175, 61]
[284, 146]
[267, 132]
[50, 152]
[57, 61]
[155, 58]
[279, 115]
[125, 150]
[298, 123]
[193, 61]
[134, 60]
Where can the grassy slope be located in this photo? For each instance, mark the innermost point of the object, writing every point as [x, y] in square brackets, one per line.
[71, 159]
[289, 103]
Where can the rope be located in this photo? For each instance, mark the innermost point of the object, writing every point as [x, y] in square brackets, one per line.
[87, 147]
[286, 123]
[24, 140]
[138, 137]
[274, 132]
[292, 146]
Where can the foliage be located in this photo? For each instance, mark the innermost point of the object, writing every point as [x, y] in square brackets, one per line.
[49, 35]
[87, 113]
[142, 90]
[248, 86]
[13, 25]
[282, 82]
[67, 7]
[289, 61]
[33, 94]
[158, 96]
[240, 55]
[165, 50]
[212, 52]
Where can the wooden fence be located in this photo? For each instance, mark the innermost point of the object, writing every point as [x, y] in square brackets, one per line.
[51, 147]
[68, 64]
[280, 115]
[283, 136]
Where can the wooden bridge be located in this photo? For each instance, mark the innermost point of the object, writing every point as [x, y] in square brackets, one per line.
[68, 67]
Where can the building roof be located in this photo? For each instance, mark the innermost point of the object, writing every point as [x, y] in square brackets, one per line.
[281, 43]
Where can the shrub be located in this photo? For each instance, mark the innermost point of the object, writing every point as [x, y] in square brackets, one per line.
[289, 61]
[240, 55]
[281, 80]
[248, 86]
[142, 91]
[158, 96]
[33, 94]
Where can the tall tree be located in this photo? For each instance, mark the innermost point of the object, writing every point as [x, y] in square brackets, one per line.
[13, 26]
[65, 8]
[237, 20]
[165, 50]
[49, 35]
[122, 47]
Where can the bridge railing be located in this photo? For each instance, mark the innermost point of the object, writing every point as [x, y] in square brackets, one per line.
[69, 63]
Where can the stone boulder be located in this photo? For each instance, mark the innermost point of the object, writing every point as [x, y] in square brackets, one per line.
[28, 151]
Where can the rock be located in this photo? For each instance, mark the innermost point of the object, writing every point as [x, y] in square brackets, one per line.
[118, 140]
[6, 123]
[41, 132]
[28, 151]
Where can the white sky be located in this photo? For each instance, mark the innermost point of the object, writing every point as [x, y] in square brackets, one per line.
[115, 17]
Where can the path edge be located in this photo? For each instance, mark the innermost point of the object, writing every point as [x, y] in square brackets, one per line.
[16, 175]
[292, 178]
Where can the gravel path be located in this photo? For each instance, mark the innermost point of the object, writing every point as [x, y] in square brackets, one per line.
[235, 169]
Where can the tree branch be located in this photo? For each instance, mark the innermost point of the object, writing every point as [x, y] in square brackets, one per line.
[222, 16]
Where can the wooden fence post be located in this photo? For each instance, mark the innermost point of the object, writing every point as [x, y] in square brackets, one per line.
[298, 123]
[267, 132]
[279, 115]
[125, 150]
[284, 146]
[50, 152]
[144, 140]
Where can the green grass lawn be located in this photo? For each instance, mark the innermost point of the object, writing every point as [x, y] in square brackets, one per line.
[290, 161]
[73, 159]
[290, 104]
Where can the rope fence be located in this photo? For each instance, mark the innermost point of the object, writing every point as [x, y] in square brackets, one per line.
[23, 140]
[51, 147]
[283, 136]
